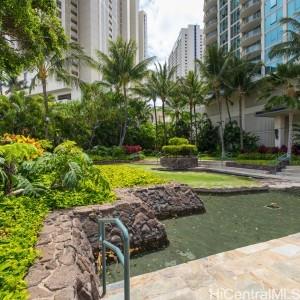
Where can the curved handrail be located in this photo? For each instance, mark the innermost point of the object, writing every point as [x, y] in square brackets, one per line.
[123, 257]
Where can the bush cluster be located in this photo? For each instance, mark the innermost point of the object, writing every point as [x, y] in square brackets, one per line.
[179, 147]
[101, 153]
[176, 141]
[132, 149]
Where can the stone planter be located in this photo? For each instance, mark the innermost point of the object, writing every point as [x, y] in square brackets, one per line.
[180, 162]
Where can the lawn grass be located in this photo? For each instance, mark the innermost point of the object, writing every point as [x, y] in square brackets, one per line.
[204, 179]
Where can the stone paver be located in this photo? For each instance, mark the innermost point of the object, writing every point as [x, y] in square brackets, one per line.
[269, 270]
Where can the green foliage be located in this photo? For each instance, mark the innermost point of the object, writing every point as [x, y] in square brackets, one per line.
[20, 220]
[17, 152]
[208, 136]
[31, 25]
[176, 141]
[232, 138]
[257, 156]
[180, 150]
[121, 176]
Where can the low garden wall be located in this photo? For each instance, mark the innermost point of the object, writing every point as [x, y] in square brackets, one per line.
[68, 243]
[179, 163]
[169, 201]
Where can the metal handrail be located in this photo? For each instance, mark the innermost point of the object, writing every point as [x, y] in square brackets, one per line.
[123, 257]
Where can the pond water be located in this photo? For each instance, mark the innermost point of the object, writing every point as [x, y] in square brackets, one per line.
[229, 223]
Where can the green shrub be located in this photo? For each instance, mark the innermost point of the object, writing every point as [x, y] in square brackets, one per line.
[121, 176]
[180, 150]
[257, 156]
[176, 141]
[20, 220]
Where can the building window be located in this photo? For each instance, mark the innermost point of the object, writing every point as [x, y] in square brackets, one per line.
[273, 3]
[273, 18]
[64, 97]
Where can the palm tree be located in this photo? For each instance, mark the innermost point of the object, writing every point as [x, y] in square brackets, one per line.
[191, 89]
[213, 69]
[241, 81]
[119, 70]
[164, 87]
[58, 65]
[288, 77]
[147, 90]
[291, 47]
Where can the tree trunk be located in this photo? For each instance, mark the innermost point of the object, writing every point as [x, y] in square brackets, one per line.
[124, 129]
[241, 120]
[46, 106]
[228, 109]
[221, 125]
[290, 138]
[156, 126]
[195, 121]
[191, 122]
[164, 120]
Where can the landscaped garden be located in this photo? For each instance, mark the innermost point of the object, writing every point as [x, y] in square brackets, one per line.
[59, 159]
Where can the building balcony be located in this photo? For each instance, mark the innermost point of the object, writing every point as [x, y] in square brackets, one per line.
[212, 25]
[211, 38]
[251, 22]
[210, 14]
[209, 4]
[252, 52]
[251, 37]
[250, 7]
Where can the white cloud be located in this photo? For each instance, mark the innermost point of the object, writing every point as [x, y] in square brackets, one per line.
[165, 19]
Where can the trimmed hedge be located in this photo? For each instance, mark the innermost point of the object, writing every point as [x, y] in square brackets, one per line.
[180, 150]
[176, 141]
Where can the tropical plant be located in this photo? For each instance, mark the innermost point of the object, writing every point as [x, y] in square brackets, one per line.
[280, 89]
[21, 114]
[58, 65]
[290, 48]
[213, 69]
[192, 92]
[147, 91]
[164, 87]
[119, 70]
[208, 137]
[11, 158]
[241, 81]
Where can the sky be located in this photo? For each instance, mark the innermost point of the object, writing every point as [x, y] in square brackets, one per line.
[165, 19]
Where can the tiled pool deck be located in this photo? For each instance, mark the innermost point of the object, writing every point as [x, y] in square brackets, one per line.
[268, 271]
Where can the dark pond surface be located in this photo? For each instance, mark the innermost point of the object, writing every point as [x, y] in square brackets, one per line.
[230, 222]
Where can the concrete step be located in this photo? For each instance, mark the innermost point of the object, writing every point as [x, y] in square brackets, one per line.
[293, 168]
[285, 173]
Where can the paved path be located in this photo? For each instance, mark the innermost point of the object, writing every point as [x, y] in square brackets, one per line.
[261, 271]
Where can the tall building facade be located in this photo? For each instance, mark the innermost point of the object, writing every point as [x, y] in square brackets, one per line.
[93, 24]
[235, 26]
[251, 28]
[187, 49]
[274, 32]
[143, 36]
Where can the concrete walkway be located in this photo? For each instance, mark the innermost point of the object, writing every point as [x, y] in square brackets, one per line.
[268, 271]
[291, 177]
